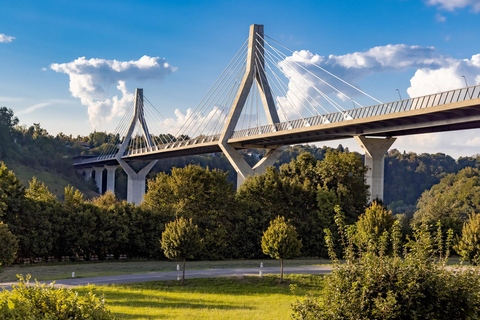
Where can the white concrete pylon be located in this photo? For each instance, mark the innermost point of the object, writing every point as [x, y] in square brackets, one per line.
[254, 72]
[88, 173]
[136, 183]
[136, 180]
[99, 178]
[111, 178]
[375, 149]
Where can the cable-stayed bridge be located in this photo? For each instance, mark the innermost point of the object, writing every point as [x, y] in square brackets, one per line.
[269, 99]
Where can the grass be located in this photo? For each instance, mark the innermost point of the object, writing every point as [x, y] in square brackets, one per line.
[214, 298]
[55, 182]
[55, 271]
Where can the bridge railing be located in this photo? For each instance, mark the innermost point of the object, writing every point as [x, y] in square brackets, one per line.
[176, 144]
[371, 111]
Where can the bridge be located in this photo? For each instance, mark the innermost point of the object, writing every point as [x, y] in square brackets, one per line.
[261, 76]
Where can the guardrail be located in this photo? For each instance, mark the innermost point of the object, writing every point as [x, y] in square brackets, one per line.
[428, 101]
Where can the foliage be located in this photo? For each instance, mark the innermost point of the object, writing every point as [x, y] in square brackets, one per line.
[451, 200]
[305, 192]
[280, 241]
[203, 195]
[468, 245]
[42, 301]
[8, 245]
[372, 224]
[181, 241]
[372, 285]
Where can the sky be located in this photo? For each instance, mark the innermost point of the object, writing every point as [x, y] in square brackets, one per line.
[72, 66]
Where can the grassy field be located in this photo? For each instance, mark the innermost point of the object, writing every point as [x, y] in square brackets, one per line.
[55, 271]
[215, 298]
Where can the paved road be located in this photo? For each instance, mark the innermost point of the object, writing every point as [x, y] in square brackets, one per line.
[172, 275]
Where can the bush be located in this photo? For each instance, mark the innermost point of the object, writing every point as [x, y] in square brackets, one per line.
[371, 285]
[468, 246]
[41, 301]
[8, 245]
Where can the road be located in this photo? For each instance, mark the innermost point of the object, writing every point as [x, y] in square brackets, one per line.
[172, 275]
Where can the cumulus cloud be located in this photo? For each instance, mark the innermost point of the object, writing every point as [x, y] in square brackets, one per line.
[304, 77]
[194, 124]
[91, 80]
[448, 77]
[5, 39]
[452, 5]
[434, 73]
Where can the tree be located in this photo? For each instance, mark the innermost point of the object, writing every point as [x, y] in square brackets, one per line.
[280, 241]
[8, 245]
[203, 195]
[372, 224]
[468, 245]
[181, 241]
[451, 200]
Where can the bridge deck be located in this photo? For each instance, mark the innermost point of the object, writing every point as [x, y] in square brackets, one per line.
[451, 110]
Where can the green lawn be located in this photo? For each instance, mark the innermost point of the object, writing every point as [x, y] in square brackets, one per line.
[55, 271]
[214, 298]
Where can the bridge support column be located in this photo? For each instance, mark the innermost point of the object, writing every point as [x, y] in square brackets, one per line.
[88, 173]
[375, 149]
[136, 181]
[111, 178]
[99, 178]
[241, 166]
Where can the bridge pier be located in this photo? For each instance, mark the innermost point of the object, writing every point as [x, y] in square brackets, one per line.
[111, 178]
[136, 183]
[88, 173]
[99, 178]
[375, 149]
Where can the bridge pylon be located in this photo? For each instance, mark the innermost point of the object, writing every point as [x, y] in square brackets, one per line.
[254, 73]
[136, 179]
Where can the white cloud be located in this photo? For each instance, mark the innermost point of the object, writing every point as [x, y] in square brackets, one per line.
[440, 18]
[352, 68]
[91, 81]
[42, 105]
[434, 73]
[452, 5]
[194, 124]
[448, 77]
[5, 39]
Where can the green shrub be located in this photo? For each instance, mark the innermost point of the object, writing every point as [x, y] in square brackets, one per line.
[41, 301]
[372, 285]
[468, 246]
[8, 245]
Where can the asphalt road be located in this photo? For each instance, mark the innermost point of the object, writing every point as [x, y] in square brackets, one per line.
[172, 275]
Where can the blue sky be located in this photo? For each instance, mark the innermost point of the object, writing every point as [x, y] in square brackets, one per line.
[189, 43]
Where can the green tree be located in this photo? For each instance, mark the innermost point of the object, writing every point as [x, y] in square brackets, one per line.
[8, 245]
[181, 241]
[12, 195]
[203, 195]
[468, 245]
[451, 200]
[372, 224]
[280, 241]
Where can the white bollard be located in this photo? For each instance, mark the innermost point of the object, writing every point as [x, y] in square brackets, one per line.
[260, 273]
[178, 267]
[261, 264]
[73, 274]
[178, 278]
